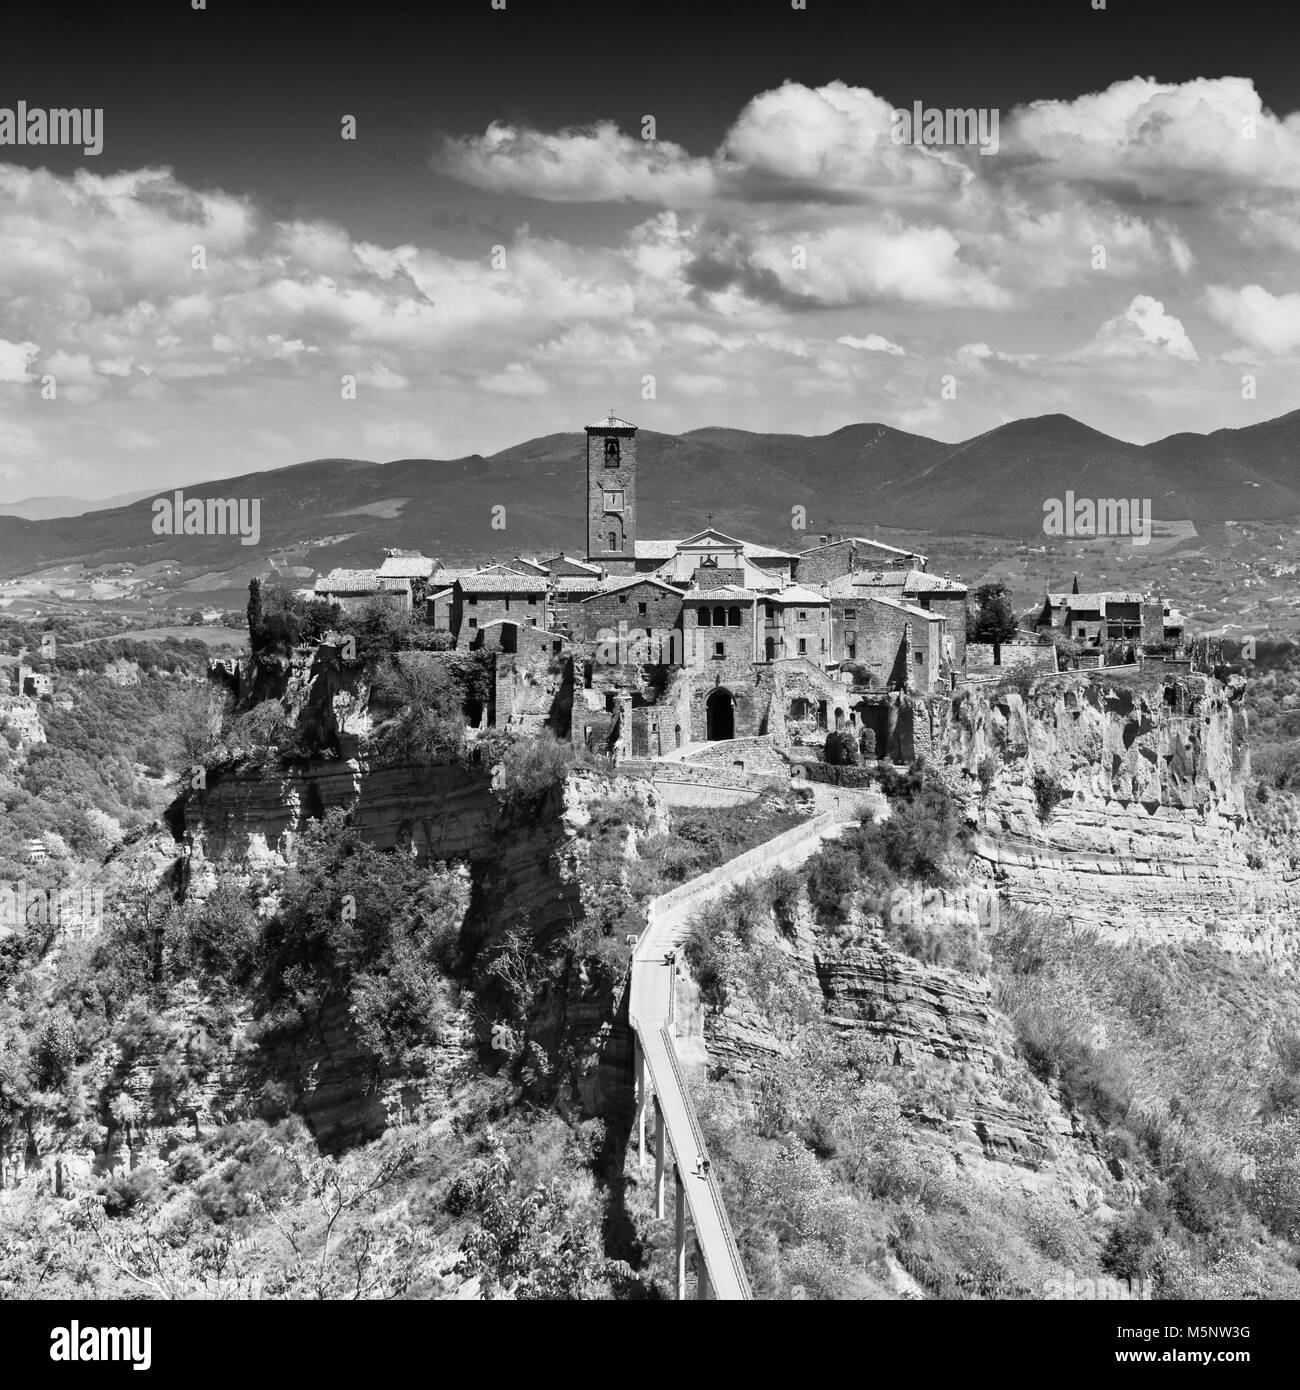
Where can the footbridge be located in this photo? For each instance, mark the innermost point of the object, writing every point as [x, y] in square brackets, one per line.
[659, 1075]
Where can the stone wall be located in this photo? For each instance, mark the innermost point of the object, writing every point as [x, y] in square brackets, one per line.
[603, 613]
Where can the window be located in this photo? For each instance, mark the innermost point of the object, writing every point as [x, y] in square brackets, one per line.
[719, 617]
[473, 622]
[611, 451]
[556, 648]
[803, 615]
[613, 501]
[622, 598]
[532, 622]
[640, 608]
[471, 601]
[803, 646]
[850, 615]
[705, 620]
[613, 540]
[850, 646]
[733, 617]
[918, 657]
[532, 598]
[719, 651]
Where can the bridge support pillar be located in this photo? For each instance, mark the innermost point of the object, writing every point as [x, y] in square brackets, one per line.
[679, 1214]
[660, 1159]
[701, 1273]
[640, 1101]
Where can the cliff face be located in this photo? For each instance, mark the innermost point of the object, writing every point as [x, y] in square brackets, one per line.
[1149, 839]
[967, 1091]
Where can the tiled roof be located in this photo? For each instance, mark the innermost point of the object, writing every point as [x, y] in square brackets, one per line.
[911, 608]
[1096, 602]
[406, 567]
[728, 592]
[796, 593]
[348, 582]
[576, 584]
[865, 540]
[655, 550]
[570, 560]
[918, 582]
[630, 581]
[511, 583]
[529, 566]
[612, 422]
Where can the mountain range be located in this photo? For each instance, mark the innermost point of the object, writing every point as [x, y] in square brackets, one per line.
[862, 478]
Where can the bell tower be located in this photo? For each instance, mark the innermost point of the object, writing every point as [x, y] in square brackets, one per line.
[611, 495]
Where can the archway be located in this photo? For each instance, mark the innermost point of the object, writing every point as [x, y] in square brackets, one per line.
[720, 715]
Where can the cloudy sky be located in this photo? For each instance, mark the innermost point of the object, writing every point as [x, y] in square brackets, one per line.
[500, 253]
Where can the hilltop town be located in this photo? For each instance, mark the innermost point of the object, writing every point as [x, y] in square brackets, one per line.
[671, 643]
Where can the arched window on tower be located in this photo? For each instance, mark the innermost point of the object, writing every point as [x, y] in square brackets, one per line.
[733, 617]
[611, 451]
[705, 619]
[613, 540]
[719, 617]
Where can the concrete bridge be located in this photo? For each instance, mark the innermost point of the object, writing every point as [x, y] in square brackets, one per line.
[659, 1074]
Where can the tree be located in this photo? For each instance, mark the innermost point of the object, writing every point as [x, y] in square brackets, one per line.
[992, 619]
[254, 612]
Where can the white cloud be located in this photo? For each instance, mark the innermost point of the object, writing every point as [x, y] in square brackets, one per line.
[16, 360]
[1264, 320]
[1143, 326]
[873, 342]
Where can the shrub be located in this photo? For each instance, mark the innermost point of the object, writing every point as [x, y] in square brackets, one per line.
[1048, 793]
[529, 771]
[987, 772]
[867, 744]
[1130, 1245]
[832, 879]
[841, 749]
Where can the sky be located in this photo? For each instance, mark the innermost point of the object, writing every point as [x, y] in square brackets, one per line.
[501, 253]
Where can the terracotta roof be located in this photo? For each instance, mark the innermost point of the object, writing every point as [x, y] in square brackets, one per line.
[612, 422]
[511, 583]
[341, 581]
[796, 593]
[918, 582]
[911, 608]
[728, 592]
[630, 581]
[655, 550]
[569, 560]
[864, 540]
[406, 567]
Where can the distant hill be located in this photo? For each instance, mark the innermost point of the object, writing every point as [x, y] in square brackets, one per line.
[49, 508]
[864, 477]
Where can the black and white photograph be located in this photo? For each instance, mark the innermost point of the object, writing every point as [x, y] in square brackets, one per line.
[649, 652]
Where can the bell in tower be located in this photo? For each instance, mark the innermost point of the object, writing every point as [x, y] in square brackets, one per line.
[611, 494]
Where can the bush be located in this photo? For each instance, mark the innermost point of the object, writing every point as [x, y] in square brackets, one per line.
[530, 770]
[987, 772]
[867, 744]
[841, 749]
[832, 879]
[1048, 793]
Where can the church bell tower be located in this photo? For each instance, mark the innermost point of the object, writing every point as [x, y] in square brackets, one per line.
[611, 495]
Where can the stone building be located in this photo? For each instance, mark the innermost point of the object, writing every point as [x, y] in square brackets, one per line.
[611, 495]
[796, 622]
[833, 556]
[638, 611]
[351, 588]
[499, 591]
